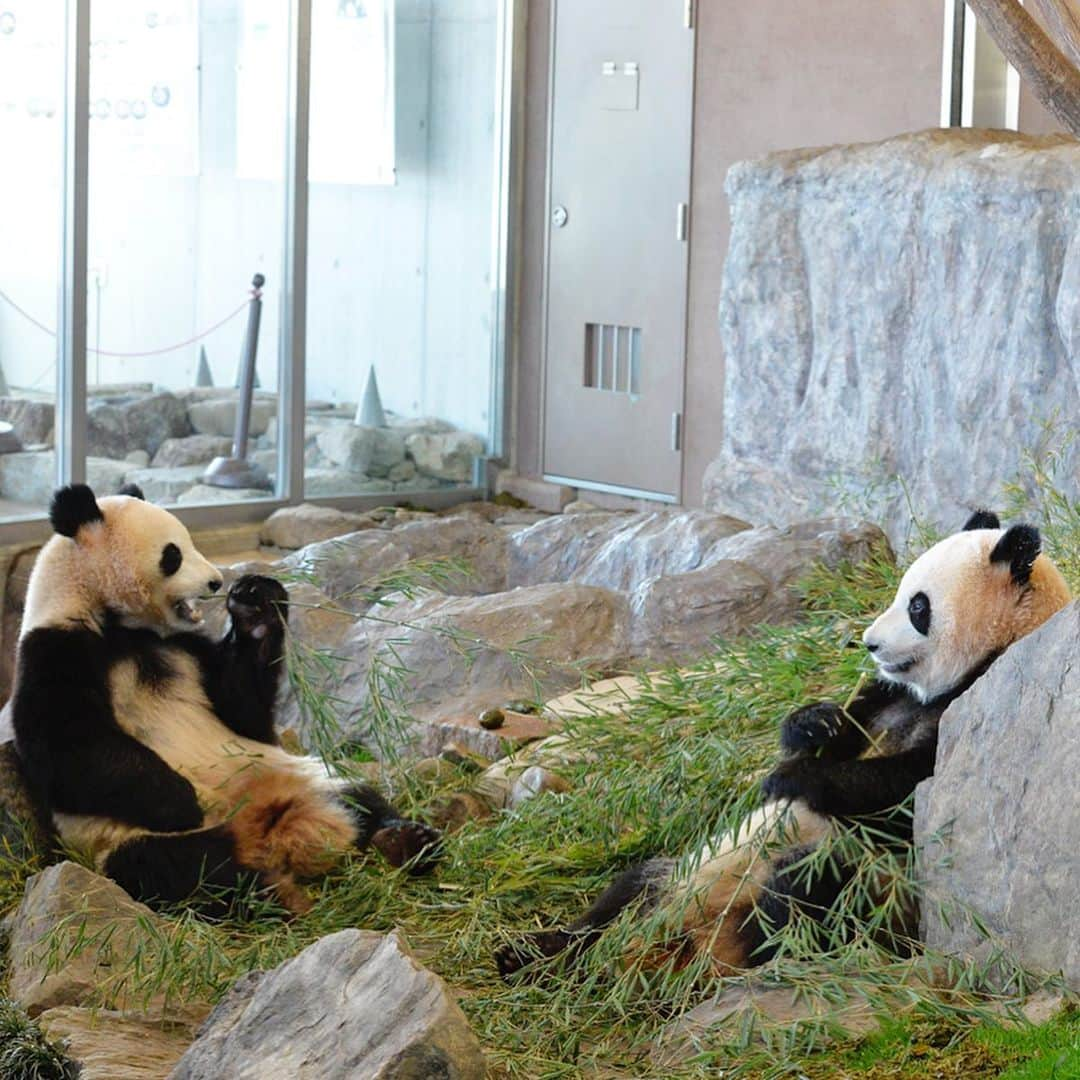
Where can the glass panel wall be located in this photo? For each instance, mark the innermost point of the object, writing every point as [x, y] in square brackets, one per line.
[186, 126]
[186, 205]
[31, 187]
[402, 204]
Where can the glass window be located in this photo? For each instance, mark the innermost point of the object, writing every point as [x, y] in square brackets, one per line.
[176, 235]
[31, 185]
[400, 265]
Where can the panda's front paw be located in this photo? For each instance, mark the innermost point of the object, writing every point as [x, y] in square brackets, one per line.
[412, 843]
[530, 951]
[172, 805]
[801, 778]
[259, 606]
[811, 727]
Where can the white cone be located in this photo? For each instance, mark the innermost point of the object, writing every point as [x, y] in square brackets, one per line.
[370, 411]
[204, 376]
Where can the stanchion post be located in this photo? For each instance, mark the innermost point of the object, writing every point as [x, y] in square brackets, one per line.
[236, 471]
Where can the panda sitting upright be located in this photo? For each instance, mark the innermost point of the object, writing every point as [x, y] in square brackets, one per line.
[958, 607]
[153, 747]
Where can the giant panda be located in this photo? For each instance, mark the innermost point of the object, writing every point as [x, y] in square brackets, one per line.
[152, 746]
[957, 608]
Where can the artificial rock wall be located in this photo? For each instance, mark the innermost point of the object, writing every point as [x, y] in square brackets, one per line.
[901, 309]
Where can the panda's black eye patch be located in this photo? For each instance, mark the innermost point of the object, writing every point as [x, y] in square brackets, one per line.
[170, 559]
[918, 610]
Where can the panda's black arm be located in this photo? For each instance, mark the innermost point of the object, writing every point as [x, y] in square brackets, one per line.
[829, 732]
[852, 788]
[242, 672]
[77, 759]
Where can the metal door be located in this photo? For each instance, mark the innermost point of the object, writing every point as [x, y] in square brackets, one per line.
[619, 189]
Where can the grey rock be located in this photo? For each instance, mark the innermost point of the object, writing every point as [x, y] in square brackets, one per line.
[166, 485]
[139, 458]
[73, 938]
[682, 613]
[205, 493]
[320, 482]
[342, 565]
[191, 450]
[355, 1004]
[617, 551]
[117, 426]
[217, 416]
[402, 473]
[370, 450]
[109, 1045]
[295, 527]
[33, 421]
[459, 655]
[991, 844]
[449, 456]
[30, 476]
[873, 327]
[418, 425]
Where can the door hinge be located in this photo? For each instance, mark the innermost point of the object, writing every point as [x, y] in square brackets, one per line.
[688, 14]
[676, 431]
[682, 221]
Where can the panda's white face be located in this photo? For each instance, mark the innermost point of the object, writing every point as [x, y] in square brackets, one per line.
[958, 605]
[156, 577]
[121, 556]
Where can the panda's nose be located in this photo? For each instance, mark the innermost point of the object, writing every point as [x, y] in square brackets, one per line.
[871, 646]
[214, 584]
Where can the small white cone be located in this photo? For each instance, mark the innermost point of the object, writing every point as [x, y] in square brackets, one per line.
[204, 376]
[240, 375]
[370, 411]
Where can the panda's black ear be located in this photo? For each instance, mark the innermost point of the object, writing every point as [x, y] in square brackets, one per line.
[133, 490]
[982, 519]
[73, 507]
[1019, 547]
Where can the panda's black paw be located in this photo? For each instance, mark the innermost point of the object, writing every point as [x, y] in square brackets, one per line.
[811, 727]
[530, 950]
[801, 778]
[411, 844]
[259, 606]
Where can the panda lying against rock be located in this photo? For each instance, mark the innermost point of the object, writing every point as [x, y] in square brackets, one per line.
[958, 607]
[152, 746]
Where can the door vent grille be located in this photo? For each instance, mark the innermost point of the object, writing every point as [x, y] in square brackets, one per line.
[613, 358]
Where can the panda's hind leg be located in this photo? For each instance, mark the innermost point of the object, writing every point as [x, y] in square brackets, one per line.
[642, 883]
[401, 841]
[199, 868]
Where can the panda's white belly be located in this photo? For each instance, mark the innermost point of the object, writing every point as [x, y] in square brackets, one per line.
[178, 724]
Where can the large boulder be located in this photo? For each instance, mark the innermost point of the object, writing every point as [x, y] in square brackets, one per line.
[453, 655]
[294, 527]
[110, 1045]
[873, 326]
[217, 416]
[191, 450]
[998, 822]
[617, 551]
[30, 476]
[372, 451]
[74, 941]
[354, 1004]
[356, 562]
[449, 456]
[32, 421]
[143, 422]
[166, 485]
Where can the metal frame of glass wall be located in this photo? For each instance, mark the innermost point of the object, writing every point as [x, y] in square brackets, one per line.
[71, 422]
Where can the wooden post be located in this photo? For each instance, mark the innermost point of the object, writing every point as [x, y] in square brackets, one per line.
[1053, 78]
